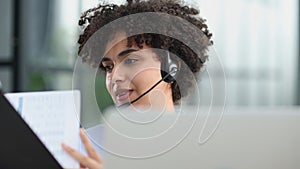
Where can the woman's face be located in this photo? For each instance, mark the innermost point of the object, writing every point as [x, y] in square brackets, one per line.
[131, 71]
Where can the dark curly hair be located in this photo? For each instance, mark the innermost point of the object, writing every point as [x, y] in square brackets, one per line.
[94, 19]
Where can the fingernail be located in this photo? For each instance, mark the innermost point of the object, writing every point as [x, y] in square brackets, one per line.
[64, 146]
[81, 131]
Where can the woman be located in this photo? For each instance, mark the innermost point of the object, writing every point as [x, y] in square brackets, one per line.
[143, 70]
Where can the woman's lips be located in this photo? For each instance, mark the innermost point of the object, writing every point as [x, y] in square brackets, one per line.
[122, 95]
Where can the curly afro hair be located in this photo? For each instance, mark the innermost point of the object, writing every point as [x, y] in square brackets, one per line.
[94, 19]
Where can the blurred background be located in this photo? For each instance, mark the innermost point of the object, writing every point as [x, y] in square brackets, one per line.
[256, 40]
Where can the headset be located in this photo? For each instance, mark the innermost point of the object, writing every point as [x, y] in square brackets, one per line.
[168, 70]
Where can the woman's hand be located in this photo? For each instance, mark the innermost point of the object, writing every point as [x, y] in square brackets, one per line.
[92, 161]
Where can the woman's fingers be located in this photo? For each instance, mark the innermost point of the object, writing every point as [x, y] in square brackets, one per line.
[82, 166]
[84, 160]
[92, 161]
[89, 147]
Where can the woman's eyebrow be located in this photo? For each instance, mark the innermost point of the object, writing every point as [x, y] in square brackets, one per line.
[123, 53]
[126, 52]
[104, 59]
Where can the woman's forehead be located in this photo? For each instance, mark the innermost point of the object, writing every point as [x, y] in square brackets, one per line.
[118, 44]
[113, 51]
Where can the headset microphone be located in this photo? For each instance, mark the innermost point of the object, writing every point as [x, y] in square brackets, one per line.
[168, 70]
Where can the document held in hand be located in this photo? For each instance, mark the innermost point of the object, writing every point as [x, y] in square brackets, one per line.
[54, 118]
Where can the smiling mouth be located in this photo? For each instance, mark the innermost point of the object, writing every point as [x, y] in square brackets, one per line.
[123, 95]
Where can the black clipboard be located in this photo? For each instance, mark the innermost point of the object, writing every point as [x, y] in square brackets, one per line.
[20, 148]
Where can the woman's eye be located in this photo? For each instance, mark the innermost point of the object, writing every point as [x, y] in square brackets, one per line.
[129, 61]
[108, 68]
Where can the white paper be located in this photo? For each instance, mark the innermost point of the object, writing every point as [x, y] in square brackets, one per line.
[54, 117]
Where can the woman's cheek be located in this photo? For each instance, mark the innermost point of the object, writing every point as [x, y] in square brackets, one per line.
[108, 84]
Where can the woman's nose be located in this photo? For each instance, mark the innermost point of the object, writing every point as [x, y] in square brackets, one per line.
[118, 75]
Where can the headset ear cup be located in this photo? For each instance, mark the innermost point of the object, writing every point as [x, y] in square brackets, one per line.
[166, 77]
[168, 69]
